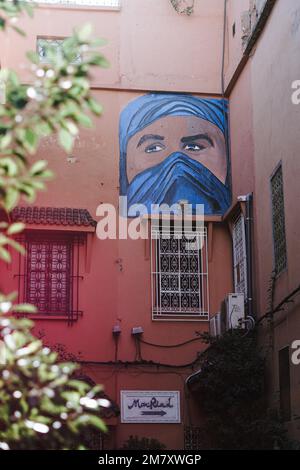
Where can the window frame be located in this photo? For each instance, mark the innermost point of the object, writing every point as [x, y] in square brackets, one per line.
[239, 254]
[58, 39]
[279, 167]
[75, 241]
[158, 314]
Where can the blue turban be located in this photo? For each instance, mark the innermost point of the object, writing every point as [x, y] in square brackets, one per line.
[145, 110]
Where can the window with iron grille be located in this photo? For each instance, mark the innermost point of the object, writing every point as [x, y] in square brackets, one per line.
[278, 220]
[49, 273]
[239, 255]
[55, 44]
[192, 438]
[179, 275]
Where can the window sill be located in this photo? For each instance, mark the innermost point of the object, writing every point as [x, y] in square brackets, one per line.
[46, 317]
[180, 318]
[78, 7]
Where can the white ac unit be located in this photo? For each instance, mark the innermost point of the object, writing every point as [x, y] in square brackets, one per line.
[235, 311]
[215, 325]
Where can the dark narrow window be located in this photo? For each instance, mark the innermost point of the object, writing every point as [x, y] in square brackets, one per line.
[193, 438]
[285, 383]
[50, 273]
[278, 221]
[233, 29]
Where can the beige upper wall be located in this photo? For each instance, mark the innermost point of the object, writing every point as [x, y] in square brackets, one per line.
[234, 49]
[275, 65]
[150, 46]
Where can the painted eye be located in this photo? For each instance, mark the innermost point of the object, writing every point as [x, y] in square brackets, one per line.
[193, 147]
[154, 148]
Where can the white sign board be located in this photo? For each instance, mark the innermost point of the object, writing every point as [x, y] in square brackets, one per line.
[150, 407]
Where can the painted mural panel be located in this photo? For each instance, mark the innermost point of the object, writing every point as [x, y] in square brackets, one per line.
[173, 148]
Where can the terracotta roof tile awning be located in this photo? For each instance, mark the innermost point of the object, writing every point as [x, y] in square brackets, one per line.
[53, 216]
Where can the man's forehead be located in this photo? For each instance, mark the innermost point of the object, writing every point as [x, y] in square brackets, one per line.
[178, 125]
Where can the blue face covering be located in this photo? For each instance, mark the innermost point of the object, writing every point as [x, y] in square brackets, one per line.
[178, 176]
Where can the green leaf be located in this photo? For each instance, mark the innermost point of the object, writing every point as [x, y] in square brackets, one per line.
[38, 167]
[84, 120]
[15, 228]
[19, 30]
[26, 308]
[95, 107]
[100, 61]
[5, 255]
[11, 198]
[16, 246]
[31, 139]
[5, 140]
[47, 174]
[84, 33]
[9, 165]
[92, 420]
[71, 127]
[27, 189]
[33, 57]
[65, 140]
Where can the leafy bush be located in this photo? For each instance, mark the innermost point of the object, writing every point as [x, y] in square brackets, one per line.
[42, 405]
[231, 391]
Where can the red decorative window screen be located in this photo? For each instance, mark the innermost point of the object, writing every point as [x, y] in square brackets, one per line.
[50, 273]
[48, 277]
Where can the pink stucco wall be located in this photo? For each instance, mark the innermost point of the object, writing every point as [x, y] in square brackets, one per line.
[150, 47]
[276, 136]
[265, 132]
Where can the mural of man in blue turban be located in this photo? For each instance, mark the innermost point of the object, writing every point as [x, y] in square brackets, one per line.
[173, 148]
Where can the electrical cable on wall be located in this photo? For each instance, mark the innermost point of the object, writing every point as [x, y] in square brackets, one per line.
[169, 346]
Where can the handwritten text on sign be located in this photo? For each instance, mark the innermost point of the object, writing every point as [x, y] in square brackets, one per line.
[150, 407]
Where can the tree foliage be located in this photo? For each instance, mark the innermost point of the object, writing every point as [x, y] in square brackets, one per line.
[231, 392]
[42, 405]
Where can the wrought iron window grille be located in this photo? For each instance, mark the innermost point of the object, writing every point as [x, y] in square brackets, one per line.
[239, 255]
[44, 43]
[193, 438]
[278, 221]
[179, 274]
[49, 274]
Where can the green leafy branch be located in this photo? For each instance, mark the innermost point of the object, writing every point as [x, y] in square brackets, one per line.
[11, 10]
[58, 102]
[42, 406]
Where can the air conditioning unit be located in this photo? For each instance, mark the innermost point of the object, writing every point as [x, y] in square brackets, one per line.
[215, 325]
[235, 311]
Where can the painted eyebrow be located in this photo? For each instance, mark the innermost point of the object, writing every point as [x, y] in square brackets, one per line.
[192, 138]
[149, 137]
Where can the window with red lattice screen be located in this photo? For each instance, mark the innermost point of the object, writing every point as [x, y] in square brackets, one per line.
[48, 276]
[49, 273]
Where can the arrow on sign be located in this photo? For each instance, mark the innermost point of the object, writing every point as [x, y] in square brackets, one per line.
[154, 413]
